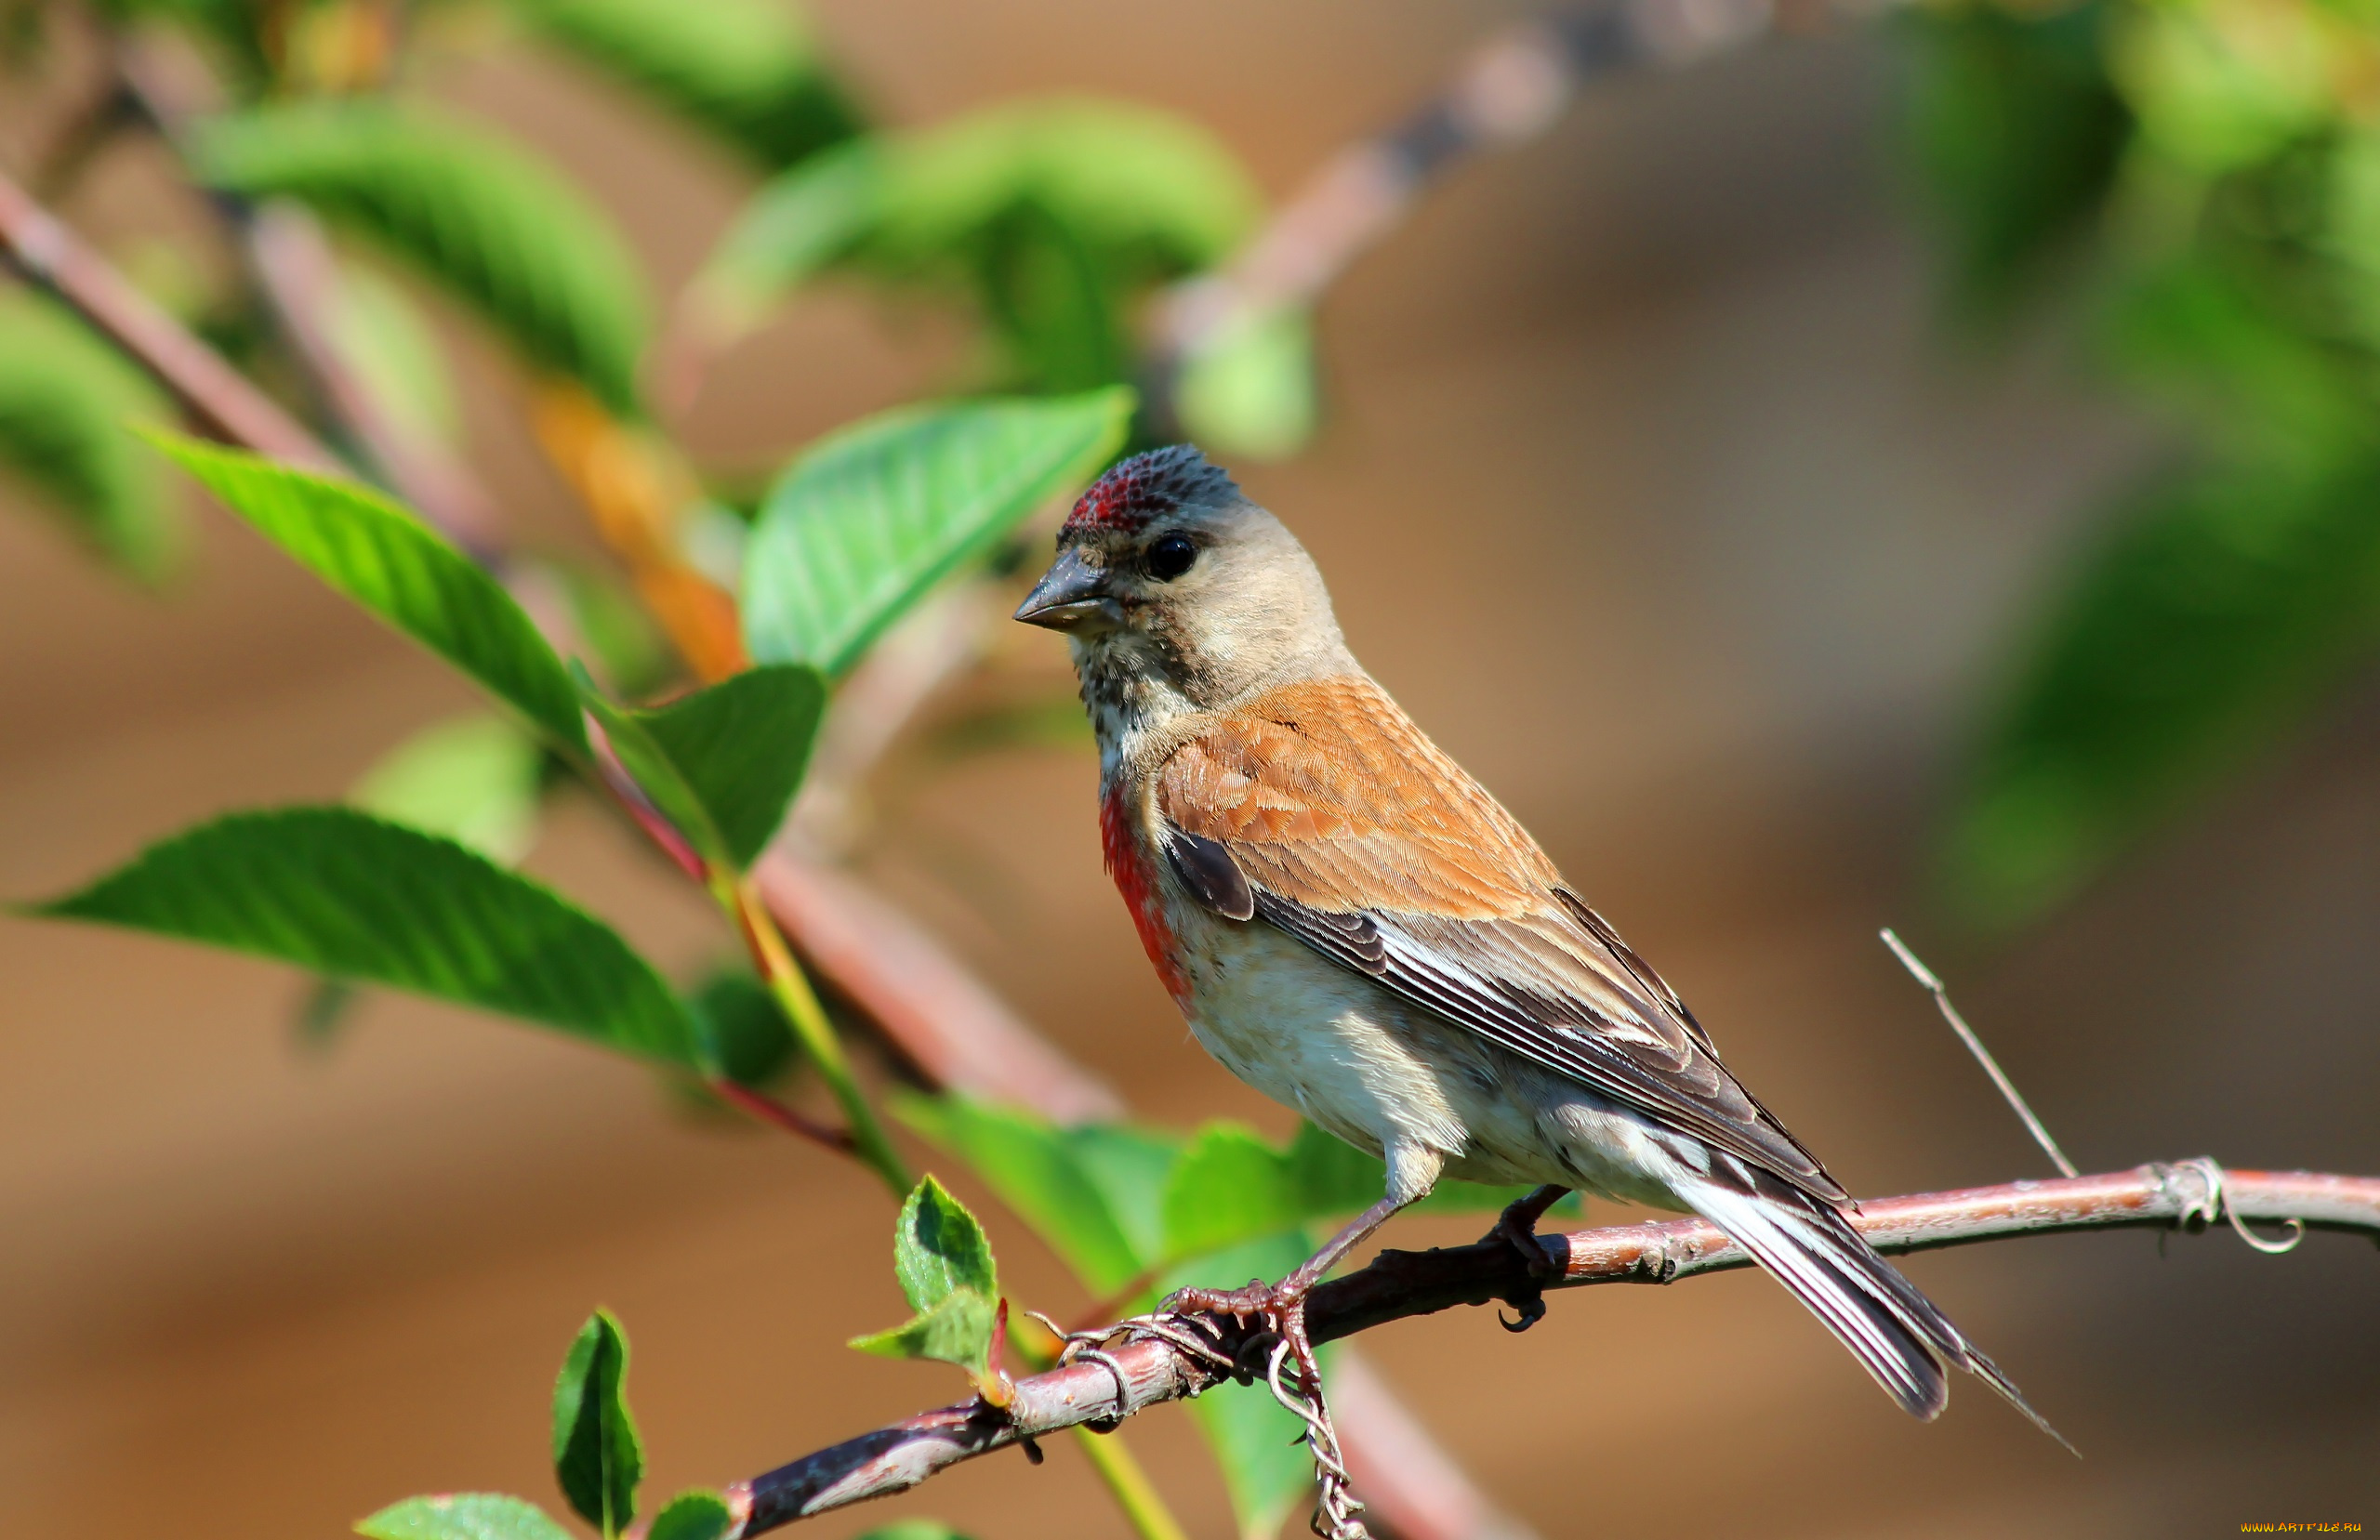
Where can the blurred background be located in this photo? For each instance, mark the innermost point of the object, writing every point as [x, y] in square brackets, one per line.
[1663, 471]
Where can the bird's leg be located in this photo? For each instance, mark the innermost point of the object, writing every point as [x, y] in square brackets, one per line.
[1516, 1227]
[1282, 1304]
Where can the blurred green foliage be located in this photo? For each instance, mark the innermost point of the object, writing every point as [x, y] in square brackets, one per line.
[2195, 186]
[65, 401]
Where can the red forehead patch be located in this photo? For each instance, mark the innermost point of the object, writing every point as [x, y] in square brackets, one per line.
[1149, 486]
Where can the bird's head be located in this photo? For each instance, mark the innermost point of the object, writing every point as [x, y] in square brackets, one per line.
[1166, 570]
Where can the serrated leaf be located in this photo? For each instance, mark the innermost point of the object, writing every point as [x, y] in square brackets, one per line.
[597, 1459]
[697, 1515]
[2213, 616]
[1251, 394]
[865, 522]
[380, 556]
[474, 211]
[462, 1516]
[1267, 1472]
[342, 893]
[746, 71]
[471, 779]
[66, 399]
[1040, 1172]
[946, 1272]
[722, 763]
[938, 1248]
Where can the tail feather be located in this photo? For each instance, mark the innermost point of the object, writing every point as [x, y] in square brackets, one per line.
[1897, 1333]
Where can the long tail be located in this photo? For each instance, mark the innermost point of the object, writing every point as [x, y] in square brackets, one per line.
[1895, 1332]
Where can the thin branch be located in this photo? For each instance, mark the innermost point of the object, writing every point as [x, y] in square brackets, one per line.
[1935, 986]
[1144, 1370]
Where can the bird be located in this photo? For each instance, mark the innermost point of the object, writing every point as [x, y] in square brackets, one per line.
[1353, 925]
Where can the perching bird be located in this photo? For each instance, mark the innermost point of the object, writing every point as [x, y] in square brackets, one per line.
[1354, 928]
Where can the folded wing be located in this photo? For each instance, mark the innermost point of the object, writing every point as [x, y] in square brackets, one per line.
[1321, 810]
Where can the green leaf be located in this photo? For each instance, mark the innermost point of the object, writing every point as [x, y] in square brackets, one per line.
[384, 558]
[597, 1458]
[1130, 1166]
[1251, 393]
[65, 401]
[340, 892]
[472, 779]
[870, 519]
[956, 1331]
[746, 71]
[1042, 1173]
[491, 224]
[462, 1516]
[808, 218]
[744, 1029]
[939, 1249]
[383, 336]
[701, 1514]
[1267, 1472]
[1229, 1188]
[2017, 133]
[632, 655]
[947, 1274]
[999, 201]
[722, 763]
[2223, 605]
[2218, 87]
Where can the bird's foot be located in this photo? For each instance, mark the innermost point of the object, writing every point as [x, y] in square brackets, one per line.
[1279, 1307]
[1516, 1227]
[1282, 1307]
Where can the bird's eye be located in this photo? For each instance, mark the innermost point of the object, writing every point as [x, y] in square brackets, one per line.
[1170, 557]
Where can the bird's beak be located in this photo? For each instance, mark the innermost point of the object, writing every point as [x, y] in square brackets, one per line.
[1070, 593]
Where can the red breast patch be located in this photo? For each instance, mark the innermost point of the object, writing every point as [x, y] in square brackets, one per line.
[1136, 879]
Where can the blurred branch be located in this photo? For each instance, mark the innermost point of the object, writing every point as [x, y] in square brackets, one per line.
[1510, 90]
[295, 272]
[1146, 1370]
[222, 402]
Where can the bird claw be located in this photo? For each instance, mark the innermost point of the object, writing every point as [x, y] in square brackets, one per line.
[1532, 1309]
[1516, 1227]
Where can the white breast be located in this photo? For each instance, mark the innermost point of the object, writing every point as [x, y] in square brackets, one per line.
[1392, 1078]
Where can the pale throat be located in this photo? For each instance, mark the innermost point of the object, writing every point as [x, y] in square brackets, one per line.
[1128, 694]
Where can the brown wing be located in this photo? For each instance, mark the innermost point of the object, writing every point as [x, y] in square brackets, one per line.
[1320, 809]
